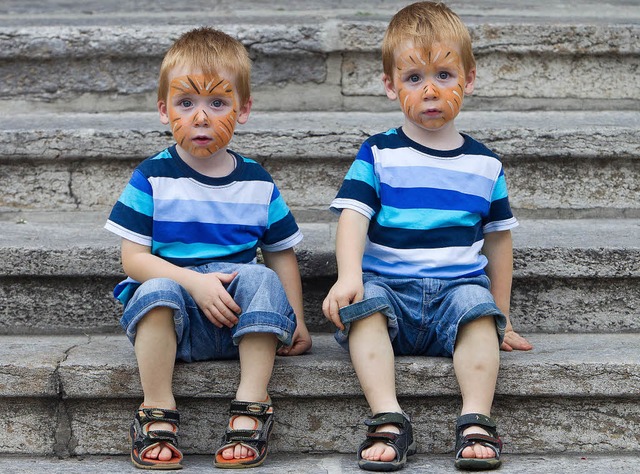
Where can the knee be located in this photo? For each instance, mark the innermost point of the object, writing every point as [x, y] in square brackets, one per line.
[256, 277]
[159, 285]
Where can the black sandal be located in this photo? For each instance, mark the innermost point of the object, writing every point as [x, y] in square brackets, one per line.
[255, 440]
[402, 443]
[143, 440]
[493, 442]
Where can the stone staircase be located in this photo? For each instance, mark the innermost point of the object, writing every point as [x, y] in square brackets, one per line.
[557, 97]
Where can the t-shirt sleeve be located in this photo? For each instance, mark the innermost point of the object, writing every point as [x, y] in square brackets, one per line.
[360, 188]
[500, 216]
[132, 216]
[282, 231]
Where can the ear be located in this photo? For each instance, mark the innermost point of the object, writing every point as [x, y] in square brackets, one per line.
[243, 114]
[470, 81]
[164, 114]
[389, 87]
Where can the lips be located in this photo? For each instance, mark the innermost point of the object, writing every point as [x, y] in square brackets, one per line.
[432, 112]
[201, 140]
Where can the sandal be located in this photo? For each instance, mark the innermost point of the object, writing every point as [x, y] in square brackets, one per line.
[493, 442]
[256, 440]
[402, 443]
[142, 440]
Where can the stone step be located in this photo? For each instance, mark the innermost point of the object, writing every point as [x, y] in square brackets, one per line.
[558, 164]
[285, 463]
[570, 275]
[311, 57]
[75, 395]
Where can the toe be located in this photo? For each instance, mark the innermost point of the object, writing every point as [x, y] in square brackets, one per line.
[228, 453]
[165, 454]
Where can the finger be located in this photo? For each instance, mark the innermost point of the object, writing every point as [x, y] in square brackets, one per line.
[230, 303]
[224, 314]
[335, 315]
[226, 278]
[506, 347]
[325, 308]
[209, 315]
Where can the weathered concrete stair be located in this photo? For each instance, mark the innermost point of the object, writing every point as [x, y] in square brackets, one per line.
[570, 275]
[557, 98]
[75, 395]
[558, 163]
[101, 57]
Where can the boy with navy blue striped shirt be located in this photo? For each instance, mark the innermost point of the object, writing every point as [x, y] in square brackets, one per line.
[424, 246]
[191, 220]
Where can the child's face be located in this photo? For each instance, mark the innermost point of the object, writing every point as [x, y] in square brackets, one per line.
[202, 110]
[429, 83]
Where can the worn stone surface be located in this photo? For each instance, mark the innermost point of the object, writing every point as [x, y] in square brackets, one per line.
[28, 366]
[563, 365]
[28, 425]
[287, 463]
[570, 161]
[571, 393]
[113, 58]
[578, 275]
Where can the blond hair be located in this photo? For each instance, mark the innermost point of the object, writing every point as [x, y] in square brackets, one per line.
[211, 51]
[425, 23]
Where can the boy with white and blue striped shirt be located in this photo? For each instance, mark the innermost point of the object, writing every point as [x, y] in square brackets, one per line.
[191, 220]
[423, 245]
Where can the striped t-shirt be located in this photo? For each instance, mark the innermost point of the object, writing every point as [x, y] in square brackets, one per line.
[190, 219]
[429, 209]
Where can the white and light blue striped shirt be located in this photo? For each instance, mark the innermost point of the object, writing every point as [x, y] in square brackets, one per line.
[429, 209]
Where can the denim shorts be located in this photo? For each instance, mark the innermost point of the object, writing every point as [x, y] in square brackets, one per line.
[423, 315]
[256, 289]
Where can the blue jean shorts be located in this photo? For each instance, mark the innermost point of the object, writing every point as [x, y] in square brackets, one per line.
[256, 289]
[423, 315]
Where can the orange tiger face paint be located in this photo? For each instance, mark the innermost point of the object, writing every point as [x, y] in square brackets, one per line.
[430, 84]
[202, 111]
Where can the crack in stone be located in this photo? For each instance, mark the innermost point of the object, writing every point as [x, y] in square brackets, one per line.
[63, 436]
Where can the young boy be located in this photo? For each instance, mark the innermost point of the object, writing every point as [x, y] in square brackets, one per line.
[191, 219]
[424, 246]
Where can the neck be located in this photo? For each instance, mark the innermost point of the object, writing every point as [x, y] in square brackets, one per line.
[220, 164]
[444, 138]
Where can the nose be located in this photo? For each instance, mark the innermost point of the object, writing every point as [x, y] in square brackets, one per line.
[430, 91]
[201, 118]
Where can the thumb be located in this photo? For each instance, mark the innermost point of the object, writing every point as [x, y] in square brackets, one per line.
[226, 277]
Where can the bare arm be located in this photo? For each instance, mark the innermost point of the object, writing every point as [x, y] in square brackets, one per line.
[207, 290]
[285, 264]
[350, 241]
[498, 248]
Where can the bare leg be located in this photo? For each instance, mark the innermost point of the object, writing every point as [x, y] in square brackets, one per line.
[155, 348]
[476, 360]
[257, 356]
[373, 360]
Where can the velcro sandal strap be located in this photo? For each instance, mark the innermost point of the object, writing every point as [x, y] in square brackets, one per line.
[487, 441]
[153, 415]
[386, 419]
[250, 408]
[476, 419]
[383, 436]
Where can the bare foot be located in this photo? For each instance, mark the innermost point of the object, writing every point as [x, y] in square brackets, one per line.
[477, 451]
[380, 451]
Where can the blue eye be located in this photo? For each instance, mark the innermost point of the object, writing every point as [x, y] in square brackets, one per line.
[186, 103]
[414, 78]
[217, 103]
[443, 75]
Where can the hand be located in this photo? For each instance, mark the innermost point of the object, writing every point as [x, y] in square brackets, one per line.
[208, 291]
[301, 342]
[343, 293]
[514, 341]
